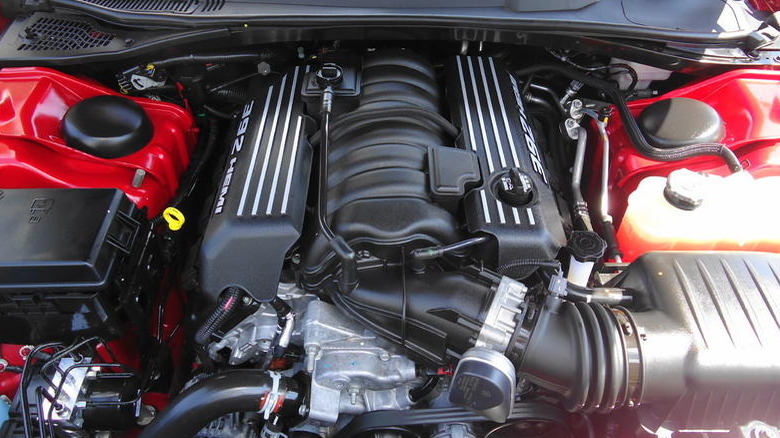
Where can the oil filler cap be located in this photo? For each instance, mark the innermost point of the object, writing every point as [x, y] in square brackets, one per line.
[686, 189]
[515, 188]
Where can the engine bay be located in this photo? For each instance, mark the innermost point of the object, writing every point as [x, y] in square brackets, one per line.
[361, 239]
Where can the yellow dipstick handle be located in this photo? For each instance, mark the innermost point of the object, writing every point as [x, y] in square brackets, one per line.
[174, 217]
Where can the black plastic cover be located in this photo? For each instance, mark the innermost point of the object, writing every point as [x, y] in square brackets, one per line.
[261, 199]
[680, 121]
[107, 127]
[379, 198]
[486, 104]
[451, 172]
[62, 250]
[711, 341]
[346, 93]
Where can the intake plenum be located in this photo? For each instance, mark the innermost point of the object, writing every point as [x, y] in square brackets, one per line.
[378, 196]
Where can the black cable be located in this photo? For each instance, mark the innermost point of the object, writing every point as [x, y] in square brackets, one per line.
[528, 262]
[228, 303]
[327, 77]
[634, 132]
[419, 393]
[283, 318]
[206, 59]
[208, 143]
[217, 113]
[434, 252]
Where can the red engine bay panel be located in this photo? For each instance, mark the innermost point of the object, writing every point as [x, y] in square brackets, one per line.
[748, 101]
[33, 153]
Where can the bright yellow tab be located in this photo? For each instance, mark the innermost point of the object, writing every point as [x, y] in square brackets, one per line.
[174, 218]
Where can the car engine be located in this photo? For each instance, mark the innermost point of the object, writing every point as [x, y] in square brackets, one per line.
[387, 240]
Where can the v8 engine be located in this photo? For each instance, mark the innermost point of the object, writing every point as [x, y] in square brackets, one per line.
[380, 241]
[433, 217]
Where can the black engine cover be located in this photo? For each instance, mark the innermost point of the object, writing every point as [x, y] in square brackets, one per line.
[378, 185]
[485, 103]
[259, 208]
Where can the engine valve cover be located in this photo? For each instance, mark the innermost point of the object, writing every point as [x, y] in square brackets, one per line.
[259, 207]
[515, 202]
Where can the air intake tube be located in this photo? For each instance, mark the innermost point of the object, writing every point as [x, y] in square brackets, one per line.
[589, 354]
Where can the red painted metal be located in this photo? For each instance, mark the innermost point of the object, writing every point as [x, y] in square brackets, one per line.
[749, 103]
[34, 155]
[766, 5]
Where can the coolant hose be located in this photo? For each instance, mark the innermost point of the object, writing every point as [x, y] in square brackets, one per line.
[634, 132]
[222, 394]
[227, 305]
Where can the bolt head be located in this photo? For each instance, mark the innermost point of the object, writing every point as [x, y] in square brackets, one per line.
[25, 350]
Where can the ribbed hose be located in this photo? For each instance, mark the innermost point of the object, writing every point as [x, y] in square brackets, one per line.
[634, 132]
[587, 353]
[219, 395]
[232, 95]
[227, 305]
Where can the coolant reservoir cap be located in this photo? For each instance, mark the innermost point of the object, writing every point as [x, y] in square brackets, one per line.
[685, 189]
[586, 246]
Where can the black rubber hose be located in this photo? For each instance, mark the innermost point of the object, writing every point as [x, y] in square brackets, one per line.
[634, 132]
[608, 296]
[520, 263]
[207, 59]
[219, 395]
[227, 305]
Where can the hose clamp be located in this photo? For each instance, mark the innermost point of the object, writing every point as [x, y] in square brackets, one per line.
[272, 401]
